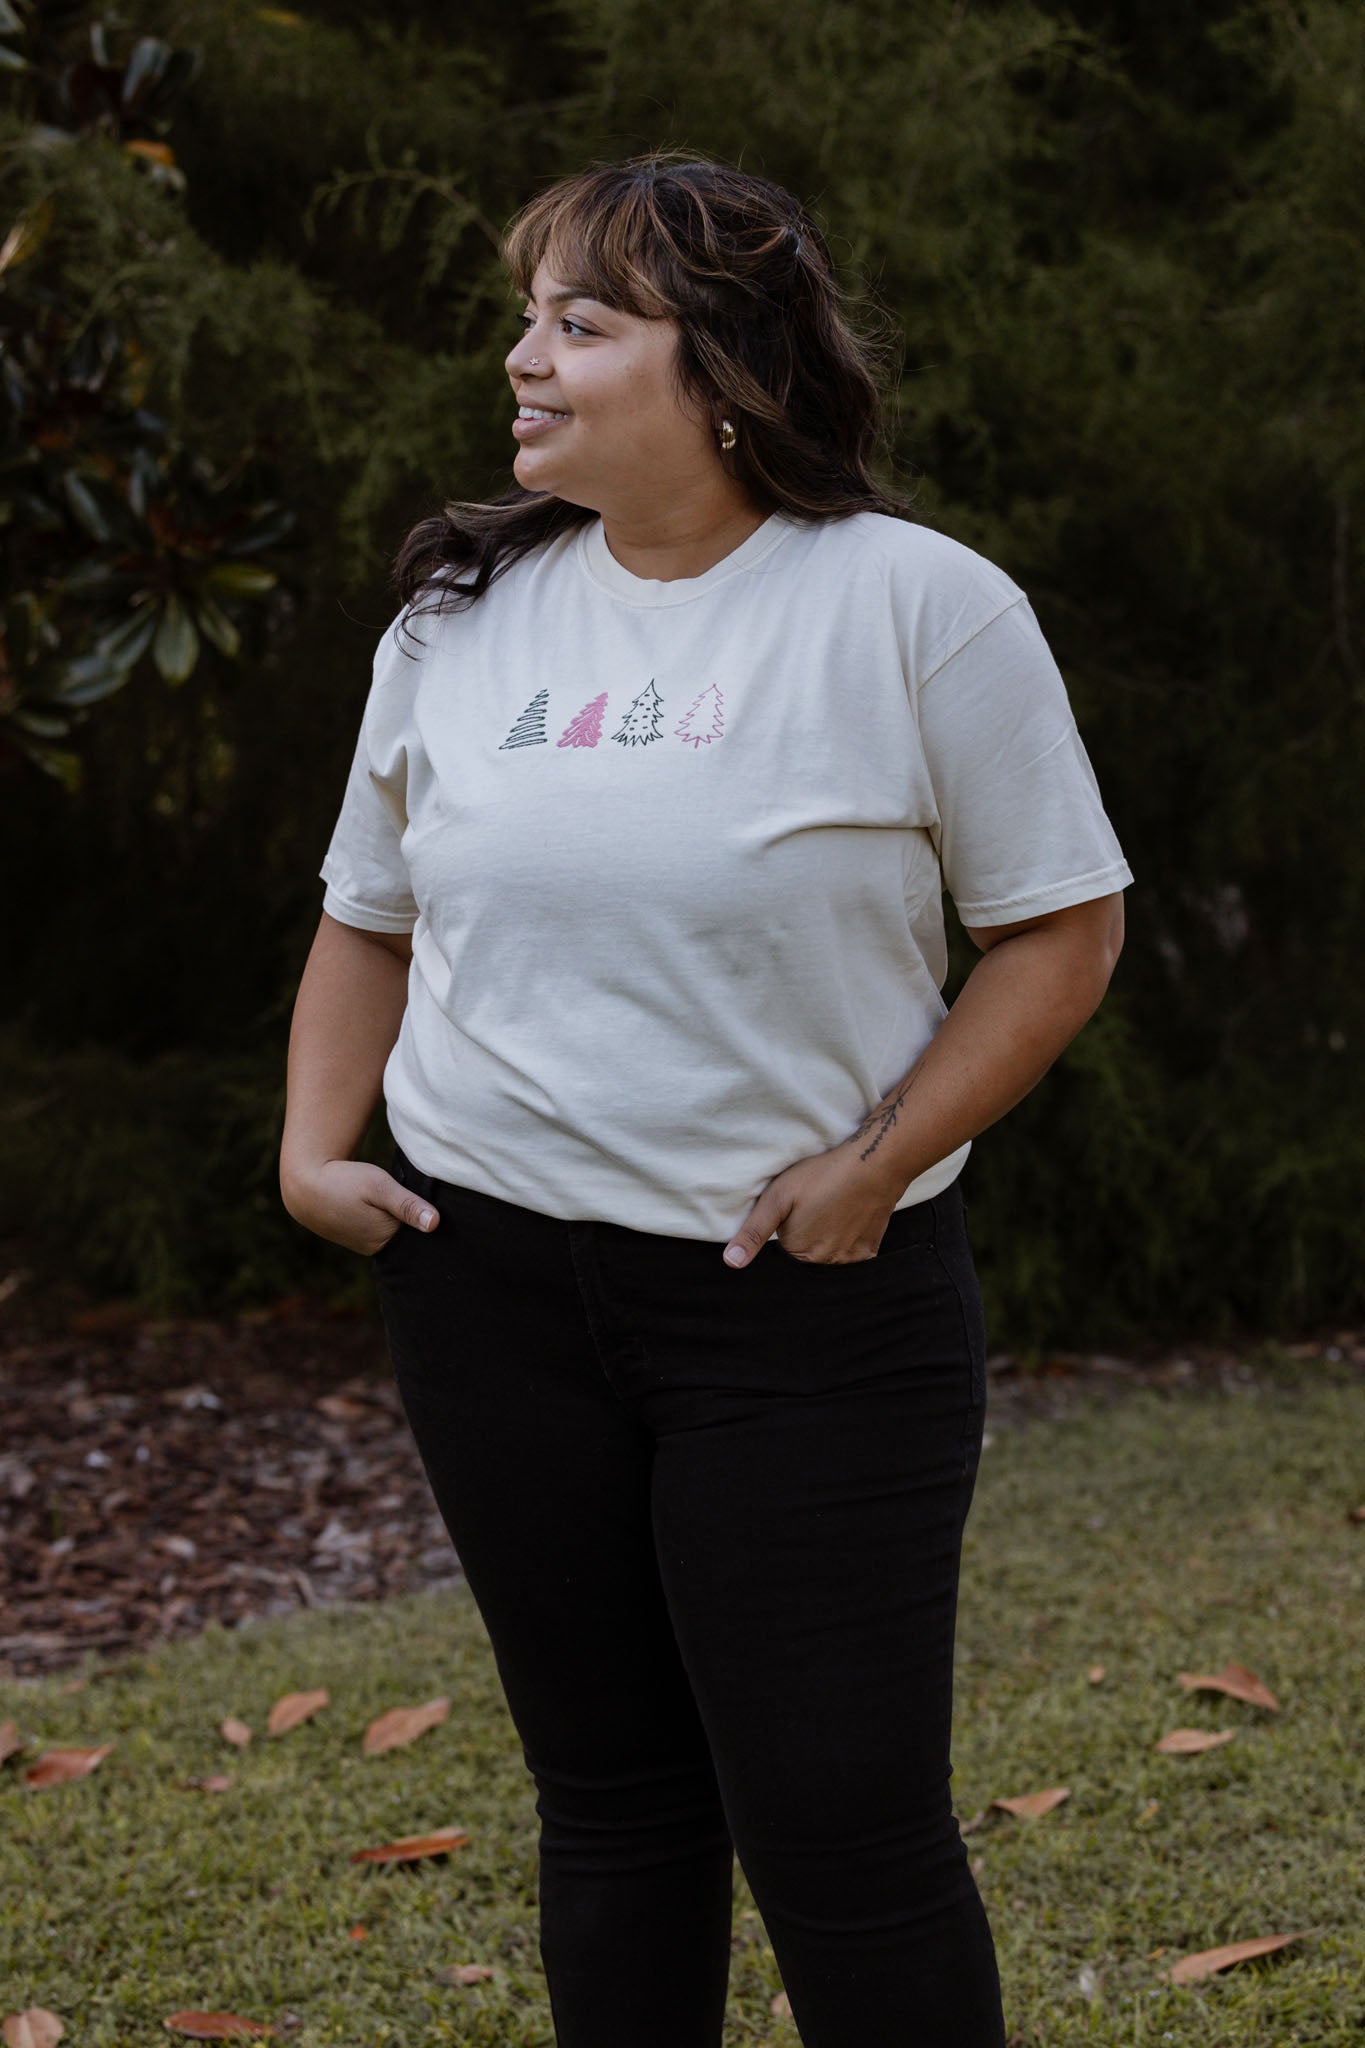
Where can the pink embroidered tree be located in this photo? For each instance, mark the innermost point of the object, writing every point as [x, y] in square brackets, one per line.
[641, 723]
[586, 729]
[690, 728]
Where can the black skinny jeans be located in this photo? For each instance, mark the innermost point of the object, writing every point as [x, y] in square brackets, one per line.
[712, 1522]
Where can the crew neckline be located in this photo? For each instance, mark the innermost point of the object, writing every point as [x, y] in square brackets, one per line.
[604, 569]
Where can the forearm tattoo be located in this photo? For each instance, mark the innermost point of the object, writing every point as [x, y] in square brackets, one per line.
[882, 1119]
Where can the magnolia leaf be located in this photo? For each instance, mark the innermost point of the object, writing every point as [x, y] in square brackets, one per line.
[402, 1725]
[215, 625]
[125, 642]
[214, 2026]
[1191, 1741]
[85, 506]
[408, 1847]
[144, 67]
[60, 1766]
[240, 579]
[45, 723]
[1236, 1681]
[294, 1707]
[1209, 1960]
[1033, 1805]
[88, 678]
[36, 2028]
[176, 646]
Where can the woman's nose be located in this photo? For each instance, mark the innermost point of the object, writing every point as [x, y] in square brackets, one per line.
[520, 354]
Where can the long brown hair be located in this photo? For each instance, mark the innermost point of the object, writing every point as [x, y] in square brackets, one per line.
[767, 339]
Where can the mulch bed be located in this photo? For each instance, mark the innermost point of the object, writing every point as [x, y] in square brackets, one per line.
[159, 1475]
[156, 1476]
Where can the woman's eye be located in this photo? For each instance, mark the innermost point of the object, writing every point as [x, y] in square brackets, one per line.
[525, 320]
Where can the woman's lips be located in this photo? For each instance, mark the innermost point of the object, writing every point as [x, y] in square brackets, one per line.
[527, 430]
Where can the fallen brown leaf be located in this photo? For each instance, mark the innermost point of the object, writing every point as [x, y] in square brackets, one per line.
[1032, 1805]
[341, 1408]
[1209, 1960]
[1190, 1741]
[159, 152]
[217, 1782]
[107, 1315]
[36, 2028]
[1095, 1673]
[466, 1973]
[10, 1739]
[214, 2026]
[60, 1766]
[1235, 1680]
[408, 1847]
[233, 1730]
[292, 1708]
[357, 1933]
[403, 1725]
[780, 2007]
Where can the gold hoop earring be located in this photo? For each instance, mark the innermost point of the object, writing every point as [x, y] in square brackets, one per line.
[727, 436]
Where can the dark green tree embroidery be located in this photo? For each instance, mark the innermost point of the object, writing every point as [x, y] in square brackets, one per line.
[529, 730]
[641, 723]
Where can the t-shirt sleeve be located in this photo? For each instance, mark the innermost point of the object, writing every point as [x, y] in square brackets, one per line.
[366, 875]
[1021, 827]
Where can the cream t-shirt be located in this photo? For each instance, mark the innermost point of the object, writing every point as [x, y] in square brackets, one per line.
[672, 855]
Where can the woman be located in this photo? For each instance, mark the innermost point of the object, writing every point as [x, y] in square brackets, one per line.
[634, 911]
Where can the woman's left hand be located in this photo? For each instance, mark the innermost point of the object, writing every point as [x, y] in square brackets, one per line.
[830, 1209]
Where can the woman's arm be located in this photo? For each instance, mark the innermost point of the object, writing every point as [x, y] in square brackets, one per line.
[1040, 980]
[347, 1017]
[1020, 1007]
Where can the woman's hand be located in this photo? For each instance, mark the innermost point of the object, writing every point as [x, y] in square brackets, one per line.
[356, 1205]
[831, 1209]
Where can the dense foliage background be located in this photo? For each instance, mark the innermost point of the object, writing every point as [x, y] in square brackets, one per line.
[252, 325]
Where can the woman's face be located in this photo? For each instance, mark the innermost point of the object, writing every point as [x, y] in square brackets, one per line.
[627, 441]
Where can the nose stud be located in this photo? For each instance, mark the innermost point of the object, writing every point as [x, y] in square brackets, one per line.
[535, 362]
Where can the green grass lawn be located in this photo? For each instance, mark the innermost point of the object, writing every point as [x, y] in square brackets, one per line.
[1152, 1534]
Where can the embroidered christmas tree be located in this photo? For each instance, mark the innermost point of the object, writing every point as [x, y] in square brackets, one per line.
[529, 730]
[641, 723]
[693, 729]
[586, 729]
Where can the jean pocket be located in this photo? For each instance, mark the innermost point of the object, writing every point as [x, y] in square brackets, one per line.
[399, 1168]
[907, 1231]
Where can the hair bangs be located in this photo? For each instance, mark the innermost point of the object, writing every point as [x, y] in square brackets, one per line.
[601, 234]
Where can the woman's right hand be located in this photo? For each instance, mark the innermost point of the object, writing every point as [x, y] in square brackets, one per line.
[356, 1205]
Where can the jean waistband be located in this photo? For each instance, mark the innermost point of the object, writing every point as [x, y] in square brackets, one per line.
[918, 1223]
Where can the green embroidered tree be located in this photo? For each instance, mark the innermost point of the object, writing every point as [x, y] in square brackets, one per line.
[643, 722]
[529, 730]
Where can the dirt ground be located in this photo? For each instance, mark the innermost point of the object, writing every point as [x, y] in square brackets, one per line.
[159, 1475]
